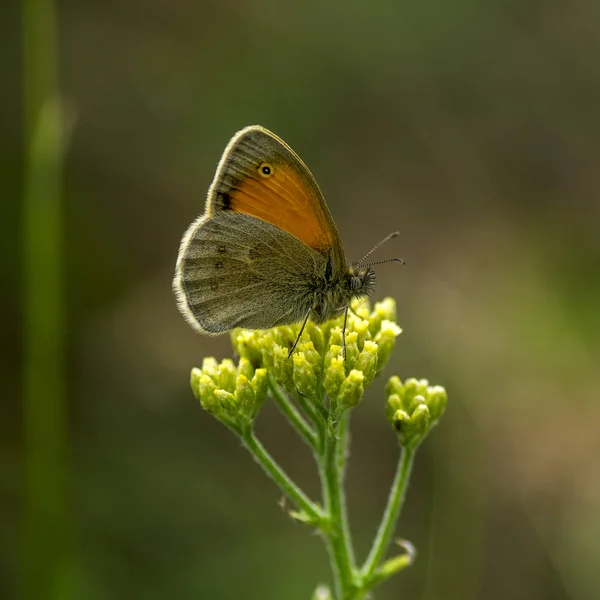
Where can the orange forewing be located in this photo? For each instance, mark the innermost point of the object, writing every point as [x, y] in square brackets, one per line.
[284, 200]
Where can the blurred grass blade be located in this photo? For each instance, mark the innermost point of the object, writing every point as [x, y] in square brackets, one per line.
[46, 530]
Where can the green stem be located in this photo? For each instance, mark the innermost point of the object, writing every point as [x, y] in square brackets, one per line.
[314, 512]
[286, 406]
[46, 556]
[343, 443]
[337, 535]
[390, 517]
[317, 413]
[343, 435]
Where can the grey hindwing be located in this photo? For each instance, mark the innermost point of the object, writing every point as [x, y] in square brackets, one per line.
[239, 271]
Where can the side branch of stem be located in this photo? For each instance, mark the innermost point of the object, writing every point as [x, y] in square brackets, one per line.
[392, 512]
[279, 476]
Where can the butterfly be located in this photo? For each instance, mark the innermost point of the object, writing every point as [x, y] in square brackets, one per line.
[266, 251]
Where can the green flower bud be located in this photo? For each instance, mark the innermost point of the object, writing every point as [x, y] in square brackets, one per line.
[413, 388]
[361, 327]
[316, 335]
[335, 337]
[210, 367]
[383, 311]
[260, 386]
[392, 406]
[394, 386]
[195, 380]
[312, 356]
[333, 352]
[385, 340]
[269, 347]
[305, 378]
[283, 368]
[247, 344]
[420, 420]
[335, 374]
[352, 351]
[399, 420]
[227, 402]
[244, 395]
[206, 394]
[351, 390]
[367, 361]
[227, 375]
[245, 368]
[412, 428]
[436, 401]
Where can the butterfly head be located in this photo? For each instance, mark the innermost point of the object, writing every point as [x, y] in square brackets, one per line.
[362, 277]
[361, 281]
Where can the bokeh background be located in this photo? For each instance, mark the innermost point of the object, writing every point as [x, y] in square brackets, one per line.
[472, 127]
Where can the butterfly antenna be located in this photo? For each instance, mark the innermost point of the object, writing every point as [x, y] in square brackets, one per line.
[383, 241]
[380, 262]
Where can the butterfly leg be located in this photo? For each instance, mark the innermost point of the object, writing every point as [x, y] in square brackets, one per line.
[344, 332]
[299, 335]
[353, 311]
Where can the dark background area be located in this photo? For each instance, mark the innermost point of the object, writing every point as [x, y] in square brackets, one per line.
[474, 129]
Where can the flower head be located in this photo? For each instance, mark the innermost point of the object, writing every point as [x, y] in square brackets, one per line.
[317, 365]
[413, 408]
[319, 371]
[231, 393]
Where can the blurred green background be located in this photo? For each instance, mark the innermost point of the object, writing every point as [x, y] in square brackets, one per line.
[472, 127]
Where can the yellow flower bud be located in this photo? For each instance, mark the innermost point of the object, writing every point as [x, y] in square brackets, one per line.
[351, 390]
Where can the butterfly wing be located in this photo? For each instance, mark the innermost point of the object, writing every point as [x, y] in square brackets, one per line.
[235, 270]
[261, 176]
[264, 245]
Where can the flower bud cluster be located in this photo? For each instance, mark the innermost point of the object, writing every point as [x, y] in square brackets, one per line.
[318, 364]
[231, 393]
[413, 408]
